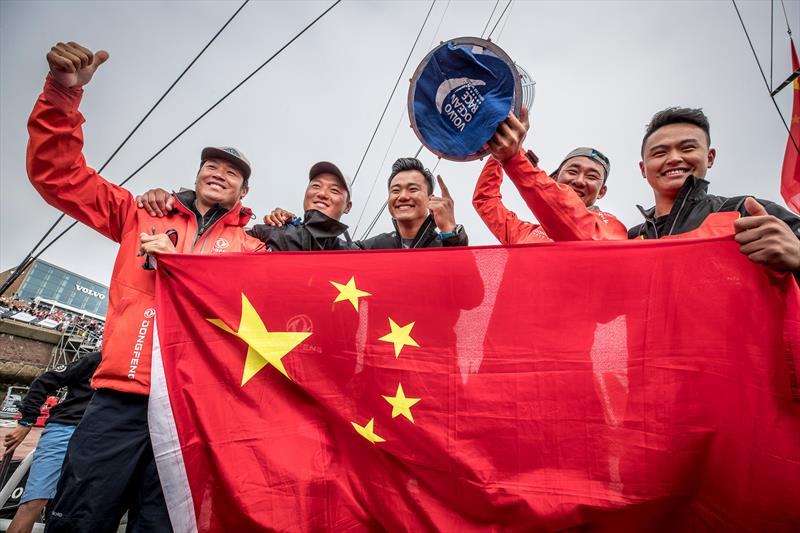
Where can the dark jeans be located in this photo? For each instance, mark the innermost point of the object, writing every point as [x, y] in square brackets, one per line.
[110, 469]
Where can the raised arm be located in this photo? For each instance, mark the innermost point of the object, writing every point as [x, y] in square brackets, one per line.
[562, 214]
[558, 208]
[504, 224]
[56, 166]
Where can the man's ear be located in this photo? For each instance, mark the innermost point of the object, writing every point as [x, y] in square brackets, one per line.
[712, 154]
[245, 190]
[602, 192]
[349, 206]
[641, 168]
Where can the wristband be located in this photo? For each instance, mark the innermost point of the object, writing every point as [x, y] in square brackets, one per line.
[25, 423]
[447, 234]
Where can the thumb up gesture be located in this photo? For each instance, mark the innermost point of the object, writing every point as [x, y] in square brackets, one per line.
[72, 65]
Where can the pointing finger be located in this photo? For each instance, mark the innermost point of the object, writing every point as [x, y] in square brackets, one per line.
[443, 187]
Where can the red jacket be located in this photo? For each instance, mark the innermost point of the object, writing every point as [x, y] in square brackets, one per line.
[561, 214]
[57, 170]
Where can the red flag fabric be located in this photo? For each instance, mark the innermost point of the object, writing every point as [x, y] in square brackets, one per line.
[790, 175]
[617, 386]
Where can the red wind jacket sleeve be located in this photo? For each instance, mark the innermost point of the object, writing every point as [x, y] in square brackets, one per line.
[58, 170]
[488, 202]
[557, 208]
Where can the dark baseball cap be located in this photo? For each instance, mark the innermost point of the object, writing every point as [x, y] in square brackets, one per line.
[591, 153]
[326, 167]
[229, 154]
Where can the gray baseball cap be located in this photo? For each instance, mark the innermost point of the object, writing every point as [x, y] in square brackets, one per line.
[326, 167]
[591, 153]
[230, 154]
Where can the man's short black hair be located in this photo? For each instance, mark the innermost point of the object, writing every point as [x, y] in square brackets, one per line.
[411, 163]
[678, 115]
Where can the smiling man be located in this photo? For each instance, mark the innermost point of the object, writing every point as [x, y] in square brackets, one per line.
[109, 467]
[563, 202]
[676, 155]
[416, 213]
[326, 199]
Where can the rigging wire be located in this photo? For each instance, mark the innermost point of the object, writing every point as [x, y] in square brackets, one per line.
[788, 29]
[771, 41]
[389, 101]
[396, 129]
[772, 97]
[375, 220]
[380, 211]
[375, 181]
[497, 2]
[196, 120]
[383, 207]
[386, 202]
[489, 37]
[25, 262]
[503, 27]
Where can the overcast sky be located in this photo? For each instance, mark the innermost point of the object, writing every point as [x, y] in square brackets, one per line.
[602, 69]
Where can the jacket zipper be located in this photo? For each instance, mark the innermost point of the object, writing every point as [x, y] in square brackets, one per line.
[680, 209]
[206, 229]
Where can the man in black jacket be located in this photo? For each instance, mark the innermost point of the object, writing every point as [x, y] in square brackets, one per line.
[676, 155]
[326, 199]
[52, 446]
[416, 213]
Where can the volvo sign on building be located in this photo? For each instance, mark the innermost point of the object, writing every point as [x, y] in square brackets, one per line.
[62, 289]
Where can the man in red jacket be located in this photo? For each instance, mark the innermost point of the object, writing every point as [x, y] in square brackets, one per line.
[563, 202]
[109, 468]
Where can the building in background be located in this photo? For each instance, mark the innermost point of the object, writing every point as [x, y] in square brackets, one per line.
[49, 285]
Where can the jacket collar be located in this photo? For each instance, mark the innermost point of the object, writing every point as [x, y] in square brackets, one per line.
[321, 226]
[693, 189]
[238, 215]
[423, 235]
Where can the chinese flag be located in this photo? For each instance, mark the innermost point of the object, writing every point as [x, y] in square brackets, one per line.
[618, 386]
[790, 176]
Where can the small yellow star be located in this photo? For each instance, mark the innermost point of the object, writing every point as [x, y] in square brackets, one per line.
[401, 405]
[349, 292]
[264, 347]
[367, 432]
[399, 336]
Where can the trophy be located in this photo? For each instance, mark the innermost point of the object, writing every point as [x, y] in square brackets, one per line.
[461, 92]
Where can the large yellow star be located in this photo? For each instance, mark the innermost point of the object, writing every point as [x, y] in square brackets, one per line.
[401, 405]
[349, 292]
[399, 336]
[367, 431]
[264, 347]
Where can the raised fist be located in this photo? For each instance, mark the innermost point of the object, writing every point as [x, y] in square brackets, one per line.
[72, 65]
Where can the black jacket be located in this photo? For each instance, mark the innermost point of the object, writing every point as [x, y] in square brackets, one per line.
[75, 376]
[693, 205]
[316, 231]
[426, 237]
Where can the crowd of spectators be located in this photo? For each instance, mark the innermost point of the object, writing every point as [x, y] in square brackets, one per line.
[49, 316]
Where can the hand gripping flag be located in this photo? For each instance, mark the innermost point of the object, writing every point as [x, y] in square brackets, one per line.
[790, 175]
[628, 386]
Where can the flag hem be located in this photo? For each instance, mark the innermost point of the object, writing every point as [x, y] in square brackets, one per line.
[167, 448]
